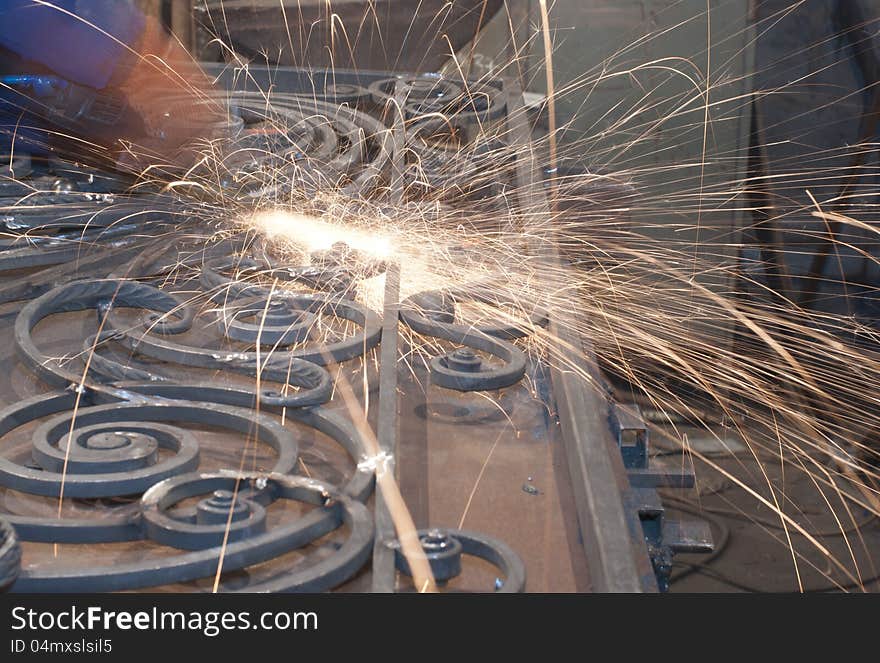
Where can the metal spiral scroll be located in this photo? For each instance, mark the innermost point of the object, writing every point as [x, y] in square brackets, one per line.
[302, 139]
[473, 103]
[433, 314]
[126, 439]
[113, 453]
[113, 445]
[199, 534]
[113, 450]
[292, 369]
[58, 214]
[285, 317]
[275, 366]
[445, 548]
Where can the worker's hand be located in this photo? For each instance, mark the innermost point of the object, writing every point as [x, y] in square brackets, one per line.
[105, 82]
[173, 116]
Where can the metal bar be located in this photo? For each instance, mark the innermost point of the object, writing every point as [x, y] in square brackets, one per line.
[386, 433]
[617, 556]
[384, 574]
[414, 468]
[618, 561]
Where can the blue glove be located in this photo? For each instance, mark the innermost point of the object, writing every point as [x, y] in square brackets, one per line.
[97, 76]
[83, 41]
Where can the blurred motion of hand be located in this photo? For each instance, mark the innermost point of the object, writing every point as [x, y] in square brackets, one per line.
[121, 89]
[172, 107]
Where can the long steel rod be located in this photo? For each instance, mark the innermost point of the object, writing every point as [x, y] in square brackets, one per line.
[384, 574]
[386, 430]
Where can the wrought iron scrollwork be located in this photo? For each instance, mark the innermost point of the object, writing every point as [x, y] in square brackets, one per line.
[122, 452]
[168, 317]
[252, 540]
[433, 314]
[113, 449]
[444, 549]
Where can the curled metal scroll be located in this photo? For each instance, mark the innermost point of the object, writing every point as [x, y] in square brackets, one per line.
[330, 423]
[276, 365]
[253, 543]
[295, 369]
[113, 449]
[314, 383]
[473, 103]
[162, 403]
[433, 314]
[301, 139]
[444, 549]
